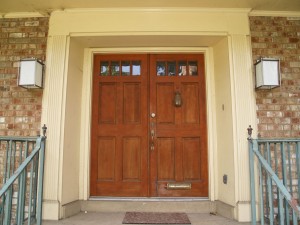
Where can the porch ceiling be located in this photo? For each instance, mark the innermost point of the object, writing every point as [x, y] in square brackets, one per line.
[42, 6]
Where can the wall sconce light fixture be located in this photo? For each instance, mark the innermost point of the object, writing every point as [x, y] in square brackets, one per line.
[267, 73]
[31, 73]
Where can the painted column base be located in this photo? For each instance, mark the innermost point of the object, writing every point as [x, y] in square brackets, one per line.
[51, 210]
[243, 211]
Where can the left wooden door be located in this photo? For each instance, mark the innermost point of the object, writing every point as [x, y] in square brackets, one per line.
[119, 151]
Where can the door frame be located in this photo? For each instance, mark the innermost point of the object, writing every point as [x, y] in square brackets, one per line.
[86, 116]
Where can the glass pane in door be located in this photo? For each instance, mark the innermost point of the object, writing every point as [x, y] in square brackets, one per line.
[172, 68]
[115, 68]
[104, 68]
[182, 68]
[136, 68]
[160, 68]
[125, 68]
[193, 68]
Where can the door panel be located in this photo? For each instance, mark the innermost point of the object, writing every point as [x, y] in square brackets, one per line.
[165, 158]
[132, 103]
[164, 107]
[132, 159]
[107, 103]
[191, 159]
[190, 108]
[106, 158]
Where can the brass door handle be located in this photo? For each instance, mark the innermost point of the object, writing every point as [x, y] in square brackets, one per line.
[152, 146]
[152, 134]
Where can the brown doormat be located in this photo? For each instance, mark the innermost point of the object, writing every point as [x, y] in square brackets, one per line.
[155, 218]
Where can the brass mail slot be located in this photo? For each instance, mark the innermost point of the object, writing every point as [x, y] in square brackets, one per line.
[179, 186]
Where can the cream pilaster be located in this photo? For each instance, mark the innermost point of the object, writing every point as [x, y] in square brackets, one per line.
[243, 109]
[53, 116]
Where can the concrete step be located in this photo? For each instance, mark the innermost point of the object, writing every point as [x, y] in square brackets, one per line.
[98, 218]
[148, 205]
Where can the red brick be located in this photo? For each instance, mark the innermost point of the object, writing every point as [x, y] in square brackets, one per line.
[20, 108]
[278, 109]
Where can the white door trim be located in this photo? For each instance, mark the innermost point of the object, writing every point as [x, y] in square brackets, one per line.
[86, 111]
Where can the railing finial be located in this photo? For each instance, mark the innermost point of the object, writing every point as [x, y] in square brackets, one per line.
[250, 129]
[44, 130]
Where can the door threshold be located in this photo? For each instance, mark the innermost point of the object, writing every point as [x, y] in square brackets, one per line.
[152, 199]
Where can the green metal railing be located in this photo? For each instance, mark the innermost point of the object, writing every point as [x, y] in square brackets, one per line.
[278, 169]
[22, 179]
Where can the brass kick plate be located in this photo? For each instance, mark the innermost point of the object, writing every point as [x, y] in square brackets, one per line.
[179, 186]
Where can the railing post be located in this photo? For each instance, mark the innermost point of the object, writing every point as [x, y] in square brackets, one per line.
[40, 178]
[298, 167]
[261, 199]
[284, 179]
[22, 187]
[8, 196]
[7, 209]
[280, 209]
[269, 188]
[252, 178]
[30, 195]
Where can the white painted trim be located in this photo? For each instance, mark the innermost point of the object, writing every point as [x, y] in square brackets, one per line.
[210, 10]
[187, 9]
[63, 121]
[275, 13]
[160, 9]
[212, 125]
[147, 33]
[87, 110]
[24, 15]
[133, 50]
[146, 199]
[86, 115]
[234, 116]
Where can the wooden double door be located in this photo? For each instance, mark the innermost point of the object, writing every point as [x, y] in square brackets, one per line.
[149, 132]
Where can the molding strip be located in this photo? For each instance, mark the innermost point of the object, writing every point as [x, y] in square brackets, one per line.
[162, 9]
[275, 13]
[24, 15]
[210, 10]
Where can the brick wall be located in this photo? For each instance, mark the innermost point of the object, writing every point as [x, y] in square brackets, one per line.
[20, 109]
[278, 110]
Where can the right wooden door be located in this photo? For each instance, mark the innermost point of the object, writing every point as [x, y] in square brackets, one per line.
[177, 126]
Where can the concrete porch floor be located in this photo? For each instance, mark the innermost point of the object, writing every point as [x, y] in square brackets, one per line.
[99, 218]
